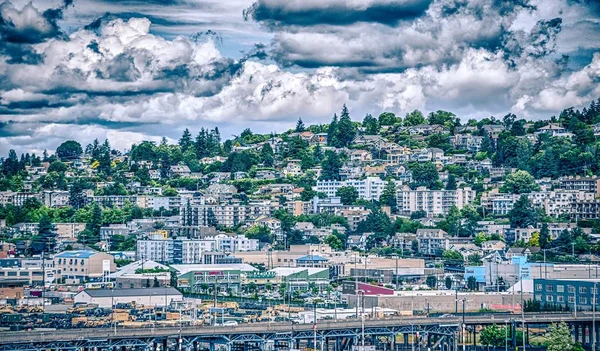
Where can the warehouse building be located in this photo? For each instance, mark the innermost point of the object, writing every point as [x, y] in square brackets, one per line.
[106, 298]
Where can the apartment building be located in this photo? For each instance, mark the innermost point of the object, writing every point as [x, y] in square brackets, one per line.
[556, 203]
[186, 251]
[206, 215]
[368, 189]
[432, 241]
[434, 202]
[64, 231]
[585, 184]
[56, 198]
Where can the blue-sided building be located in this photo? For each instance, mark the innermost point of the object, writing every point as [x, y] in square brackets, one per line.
[578, 294]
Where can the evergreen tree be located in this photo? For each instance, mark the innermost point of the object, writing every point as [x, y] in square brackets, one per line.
[523, 214]
[331, 166]
[544, 236]
[388, 196]
[299, 126]
[186, 140]
[200, 144]
[267, 155]
[76, 196]
[211, 219]
[332, 132]
[451, 183]
[45, 240]
[345, 129]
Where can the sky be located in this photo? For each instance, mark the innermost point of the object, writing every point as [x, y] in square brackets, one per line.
[134, 70]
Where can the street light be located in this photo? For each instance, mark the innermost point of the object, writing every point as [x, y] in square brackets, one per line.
[594, 317]
[361, 294]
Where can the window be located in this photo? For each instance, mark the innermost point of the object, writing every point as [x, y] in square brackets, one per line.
[549, 298]
[560, 299]
[582, 290]
[560, 288]
[571, 299]
[549, 288]
[583, 300]
[571, 289]
[538, 287]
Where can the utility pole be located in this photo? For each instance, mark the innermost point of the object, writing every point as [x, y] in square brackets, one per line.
[463, 324]
[522, 312]
[594, 302]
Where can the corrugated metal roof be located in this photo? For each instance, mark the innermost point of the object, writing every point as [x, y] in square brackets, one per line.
[132, 292]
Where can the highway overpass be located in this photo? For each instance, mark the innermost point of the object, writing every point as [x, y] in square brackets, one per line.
[436, 333]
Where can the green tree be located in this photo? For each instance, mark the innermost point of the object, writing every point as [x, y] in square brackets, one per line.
[260, 232]
[431, 281]
[300, 126]
[387, 119]
[559, 338]
[267, 155]
[523, 214]
[444, 118]
[45, 240]
[348, 194]
[451, 183]
[545, 236]
[472, 283]
[345, 129]
[448, 282]
[331, 166]
[388, 196]
[334, 242]
[414, 118]
[186, 140]
[69, 150]
[156, 283]
[452, 255]
[520, 182]
[57, 166]
[332, 132]
[479, 239]
[424, 174]
[492, 335]
[371, 125]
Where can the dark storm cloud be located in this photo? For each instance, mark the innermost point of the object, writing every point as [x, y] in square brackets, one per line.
[337, 12]
[28, 25]
[440, 36]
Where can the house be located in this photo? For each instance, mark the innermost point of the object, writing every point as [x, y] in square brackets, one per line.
[426, 129]
[360, 156]
[554, 130]
[521, 251]
[493, 245]
[180, 171]
[368, 140]
[493, 130]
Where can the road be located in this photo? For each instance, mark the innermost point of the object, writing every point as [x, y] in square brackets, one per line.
[274, 328]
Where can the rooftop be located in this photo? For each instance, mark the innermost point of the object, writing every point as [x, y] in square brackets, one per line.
[76, 254]
[132, 292]
[311, 258]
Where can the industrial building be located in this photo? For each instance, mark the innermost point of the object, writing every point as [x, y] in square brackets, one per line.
[107, 298]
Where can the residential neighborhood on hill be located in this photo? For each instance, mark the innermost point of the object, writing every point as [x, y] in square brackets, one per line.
[425, 203]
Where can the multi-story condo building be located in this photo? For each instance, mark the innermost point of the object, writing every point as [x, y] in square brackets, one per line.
[434, 202]
[207, 215]
[432, 241]
[586, 210]
[368, 189]
[187, 251]
[56, 198]
[585, 184]
[64, 231]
